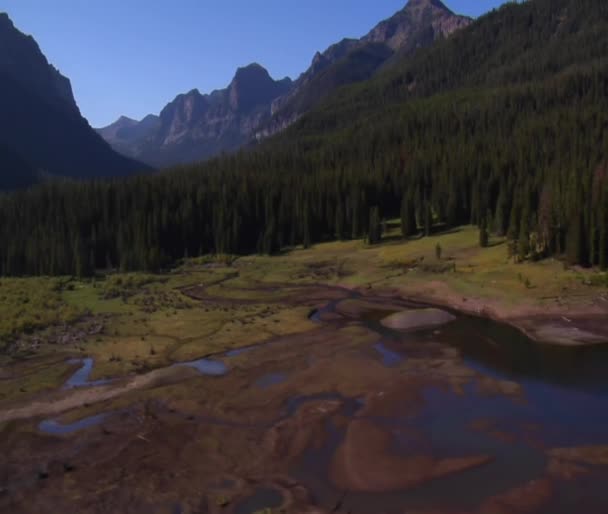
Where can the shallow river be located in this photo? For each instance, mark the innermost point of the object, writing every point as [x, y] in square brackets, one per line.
[492, 422]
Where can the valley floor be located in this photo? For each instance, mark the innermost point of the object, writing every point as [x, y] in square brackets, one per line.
[278, 382]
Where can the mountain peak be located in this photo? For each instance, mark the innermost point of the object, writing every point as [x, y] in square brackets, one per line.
[252, 66]
[197, 126]
[125, 120]
[418, 4]
[5, 20]
[251, 86]
[251, 73]
[40, 114]
[23, 61]
[419, 23]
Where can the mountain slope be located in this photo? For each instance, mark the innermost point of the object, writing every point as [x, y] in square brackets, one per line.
[40, 121]
[15, 172]
[128, 136]
[504, 125]
[513, 45]
[195, 126]
[419, 24]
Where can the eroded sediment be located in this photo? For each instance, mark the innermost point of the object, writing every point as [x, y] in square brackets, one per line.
[439, 430]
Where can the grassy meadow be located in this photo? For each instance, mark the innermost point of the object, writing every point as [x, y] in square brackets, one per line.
[131, 323]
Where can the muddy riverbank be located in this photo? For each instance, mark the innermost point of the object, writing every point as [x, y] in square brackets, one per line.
[461, 415]
[557, 323]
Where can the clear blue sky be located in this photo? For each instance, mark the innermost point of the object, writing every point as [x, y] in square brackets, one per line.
[131, 57]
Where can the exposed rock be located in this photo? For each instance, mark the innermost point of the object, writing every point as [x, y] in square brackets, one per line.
[42, 128]
[420, 23]
[254, 106]
[417, 25]
[197, 126]
[418, 318]
[22, 60]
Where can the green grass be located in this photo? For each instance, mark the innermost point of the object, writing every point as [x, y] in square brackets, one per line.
[88, 295]
[28, 378]
[31, 304]
[149, 323]
[411, 266]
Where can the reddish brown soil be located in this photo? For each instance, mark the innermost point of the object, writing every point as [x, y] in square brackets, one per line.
[365, 463]
[526, 499]
[195, 444]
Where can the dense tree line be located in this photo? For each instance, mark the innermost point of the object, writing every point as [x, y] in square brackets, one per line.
[524, 154]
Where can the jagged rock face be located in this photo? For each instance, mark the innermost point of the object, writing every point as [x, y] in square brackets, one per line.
[22, 60]
[252, 87]
[332, 54]
[195, 126]
[181, 116]
[254, 106]
[320, 62]
[41, 128]
[417, 25]
[419, 22]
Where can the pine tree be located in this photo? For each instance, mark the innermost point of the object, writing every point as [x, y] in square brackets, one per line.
[408, 218]
[427, 219]
[452, 214]
[80, 268]
[523, 242]
[484, 237]
[499, 216]
[339, 222]
[306, 237]
[374, 234]
[603, 231]
[593, 239]
[574, 241]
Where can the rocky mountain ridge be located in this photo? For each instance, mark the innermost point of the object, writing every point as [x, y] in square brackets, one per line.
[419, 24]
[41, 129]
[195, 126]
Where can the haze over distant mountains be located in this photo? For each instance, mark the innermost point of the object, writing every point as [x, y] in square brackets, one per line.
[42, 130]
[196, 126]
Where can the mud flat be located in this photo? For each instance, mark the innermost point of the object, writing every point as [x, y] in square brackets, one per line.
[432, 413]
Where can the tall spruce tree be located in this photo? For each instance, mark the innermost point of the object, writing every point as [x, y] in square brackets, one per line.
[374, 234]
[408, 217]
